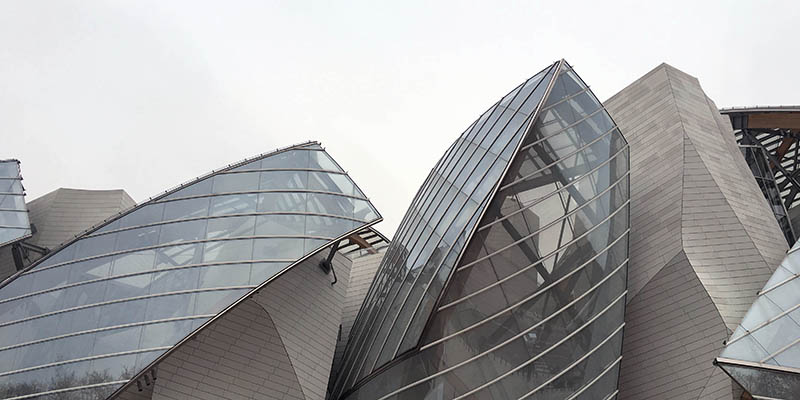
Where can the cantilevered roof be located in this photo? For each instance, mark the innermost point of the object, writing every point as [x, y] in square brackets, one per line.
[103, 308]
[763, 355]
[14, 222]
[768, 117]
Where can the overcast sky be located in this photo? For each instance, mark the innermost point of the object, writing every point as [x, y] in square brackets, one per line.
[144, 95]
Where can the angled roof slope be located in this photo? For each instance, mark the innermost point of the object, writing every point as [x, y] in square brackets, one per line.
[763, 354]
[104, 307]
[506, 278]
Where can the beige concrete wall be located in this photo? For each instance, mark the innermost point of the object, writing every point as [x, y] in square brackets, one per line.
[703, 239]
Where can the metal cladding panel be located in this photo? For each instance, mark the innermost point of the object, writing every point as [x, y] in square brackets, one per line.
[696, 207]
[534, 307]
[14, 222]
[763, 354]
[103, 307]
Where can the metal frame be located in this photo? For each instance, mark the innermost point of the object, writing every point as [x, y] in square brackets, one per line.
[781, 146]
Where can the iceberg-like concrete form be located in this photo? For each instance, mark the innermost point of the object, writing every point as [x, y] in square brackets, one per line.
[703, 238]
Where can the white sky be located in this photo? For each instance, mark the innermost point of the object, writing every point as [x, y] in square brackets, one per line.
[144, 95]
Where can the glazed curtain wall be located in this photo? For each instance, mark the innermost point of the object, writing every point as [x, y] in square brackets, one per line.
[14, 222]
[432, 233]
[534, 308]
[104, 307]
[763, 354]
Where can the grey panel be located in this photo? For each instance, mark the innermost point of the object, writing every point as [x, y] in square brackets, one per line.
[694, 198]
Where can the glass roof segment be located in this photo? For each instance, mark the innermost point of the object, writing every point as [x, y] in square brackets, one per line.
[433, 232]
[104, 306]
[535, 305]
[766, 345]
[14, 222]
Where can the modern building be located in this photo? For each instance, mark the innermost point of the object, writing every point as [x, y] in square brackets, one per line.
[561, 248]
[763, 355]
[769, 137]
[703, 238]
[229, 280]
[506, 278]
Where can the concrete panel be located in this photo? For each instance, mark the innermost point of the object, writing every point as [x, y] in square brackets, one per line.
[307, 312]
[694, 202]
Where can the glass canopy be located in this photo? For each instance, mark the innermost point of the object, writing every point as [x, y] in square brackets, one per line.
[763, 354]
[103, 307]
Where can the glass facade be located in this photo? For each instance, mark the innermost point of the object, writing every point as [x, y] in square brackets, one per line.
[763, 354]
[511, 281]
[103, 307]
[14, 222]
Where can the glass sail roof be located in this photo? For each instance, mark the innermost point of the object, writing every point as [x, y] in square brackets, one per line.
[766, 345]
[103, 307]
[529, 306]
[14, 222]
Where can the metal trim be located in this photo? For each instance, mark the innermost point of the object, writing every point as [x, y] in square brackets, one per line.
[597, 378]
[149, 296]
[188, 242]
[552, 223]
[525, 300]
[509, 340]
[146, 272]
[563, 158]
[59, 391]
[108, 328]
[174, 221]
[553, 346]
[559, 190]
[571, 366]
[527, 268]
[55, 364]
[763, 324]
[750, 364]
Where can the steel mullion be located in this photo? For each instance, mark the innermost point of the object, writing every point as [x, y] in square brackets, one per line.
[552, 223]
[468, 198]
[104, 303]
[457, 154]
[494, 108]
[513, 338]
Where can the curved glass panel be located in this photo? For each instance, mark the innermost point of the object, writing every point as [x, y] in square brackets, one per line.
[440, 214]
[14, 222]
[532, 304]
[107, 304]
[766, 345]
